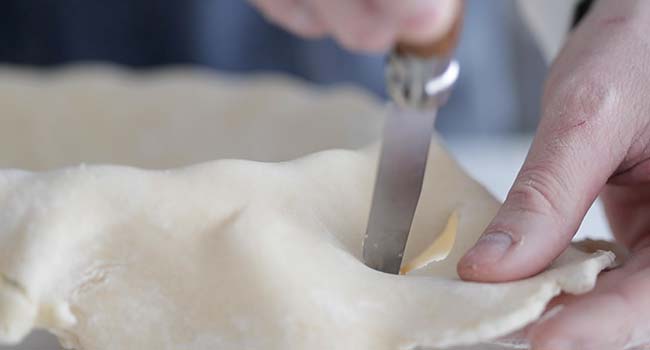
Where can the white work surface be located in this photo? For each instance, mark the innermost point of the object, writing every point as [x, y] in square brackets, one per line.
[495, 161]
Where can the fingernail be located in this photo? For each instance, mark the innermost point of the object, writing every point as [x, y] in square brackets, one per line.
[489, 249]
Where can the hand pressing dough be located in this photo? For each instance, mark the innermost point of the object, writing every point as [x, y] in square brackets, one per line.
[242, 255]
[231, 254]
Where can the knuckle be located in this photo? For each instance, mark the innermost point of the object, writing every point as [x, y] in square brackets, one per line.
[578, 102]
[586, 96]
[536, 191]
[580, 96]
[577, 113]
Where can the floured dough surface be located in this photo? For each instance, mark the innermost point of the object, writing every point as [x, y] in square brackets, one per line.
[236, 254]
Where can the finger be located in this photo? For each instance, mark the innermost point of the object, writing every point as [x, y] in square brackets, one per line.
[421, 21]
[609, 310]
[574, 152]
[611, 317]
[358, 25]
[627, 211]
[294, 15]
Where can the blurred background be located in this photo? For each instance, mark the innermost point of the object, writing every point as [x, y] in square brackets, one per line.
[487, 123]
[498, 91]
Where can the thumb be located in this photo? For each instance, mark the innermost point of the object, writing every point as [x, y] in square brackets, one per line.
[569, 162]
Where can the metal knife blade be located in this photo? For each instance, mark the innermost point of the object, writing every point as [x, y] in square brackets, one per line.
[402, 163]
[419, 78]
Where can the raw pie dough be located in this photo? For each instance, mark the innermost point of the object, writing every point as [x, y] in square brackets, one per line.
[236, 254]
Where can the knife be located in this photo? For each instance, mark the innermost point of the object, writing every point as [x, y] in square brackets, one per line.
[419, 79]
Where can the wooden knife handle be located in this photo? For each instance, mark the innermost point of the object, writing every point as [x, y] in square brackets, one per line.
[442, 47]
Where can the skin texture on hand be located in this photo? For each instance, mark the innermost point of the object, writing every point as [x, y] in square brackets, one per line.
[593, 139]
[364, 25]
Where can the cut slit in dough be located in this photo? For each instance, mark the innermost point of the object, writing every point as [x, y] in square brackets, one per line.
[235, 254]
[439, 248]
